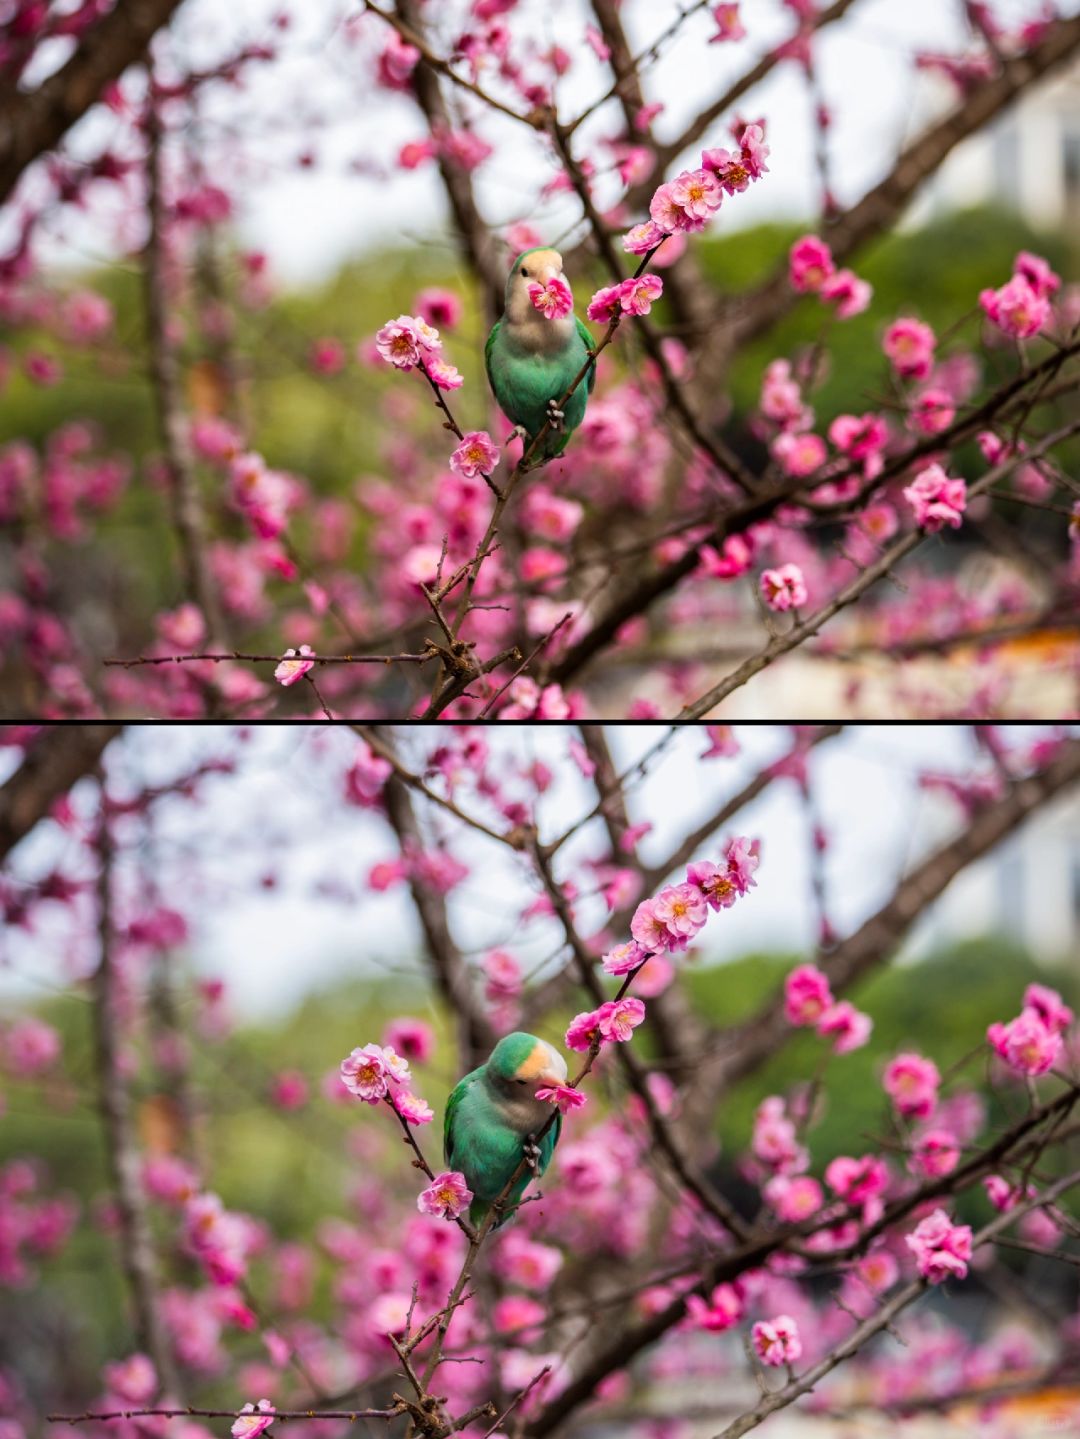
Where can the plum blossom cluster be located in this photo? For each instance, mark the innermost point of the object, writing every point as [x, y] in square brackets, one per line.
[812, 271]
[941, 1248]
[409, 342]
[1031, 1043]
[614, 1021]
[776, 1341]
[1021, 307]
[634, 296]
[686, 204]
[671, 920]
[936, 499]
[808, 1001]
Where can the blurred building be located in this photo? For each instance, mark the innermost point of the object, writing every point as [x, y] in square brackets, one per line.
[1028, 160]
[1028, 888]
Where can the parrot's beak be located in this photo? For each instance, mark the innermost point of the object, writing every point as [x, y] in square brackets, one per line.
[549, 1079]
[551, 273]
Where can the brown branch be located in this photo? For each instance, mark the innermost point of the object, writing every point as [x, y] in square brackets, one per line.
[282, 1414]
[743, 1048]
[476, 238]
[35, 122]
[133, 1229]
[188, 519]
[878, 1321]
[218, 657]
[54, 760]
[801, 631]
[643, 593]
[450, 971]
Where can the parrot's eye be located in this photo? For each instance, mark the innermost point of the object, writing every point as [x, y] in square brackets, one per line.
[523, 270]
[522, 1081]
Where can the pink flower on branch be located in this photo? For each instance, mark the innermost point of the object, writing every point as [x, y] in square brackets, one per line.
[783, 588]
[729, 26]
[911, 1082]
[476, 455]
[936, 499]
[1016, 309]
[909, 347]
[636, 296]
[776, 1341]
[722, 1310]
[605, 305]
[643, 238]
[1027, 1044]
[554, 299]
[846, 1026]
[369, 1071]
[618, 1018]
[294, 666]
[564, 1095]
[807, 996]
[412, 1108]
[850, 294]
[252, 1421]
[810, 264]
[446, 1196]
[941, 1248]
[624, 958]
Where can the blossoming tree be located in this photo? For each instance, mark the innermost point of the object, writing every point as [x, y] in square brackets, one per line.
[464, 574]
[640, 1258]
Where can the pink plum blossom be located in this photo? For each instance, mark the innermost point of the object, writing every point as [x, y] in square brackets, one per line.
[133, 1379]
[399, 343]
[810, 264]
[618, 1018]
[1049, 1006]
[936, 499]
[936, 1154]
[605, 305]
[909, 346]
[932, 412]
[783, 588]
[729, 26]
[295, 665]
[941, 1248]
[722, 745]
[847, 1026]
[252, 1421]
[776, 1341]
[477, 455]
[636, 296]
[681, 909]
[794, 1198]
[697, 193]
[807, 996]
[643, 238]
[440, 308]
[367, 1072]
[413, 1039]
[584, 1030]
[366, 777]
[30, 1047]
[911, 1082]
[1037, 272]
[446, 1196]
[1016, 308]
[411, 1107]
[857, 1180]
[850, 294]
[722, 1310]
[1027, 1044]
[624, 958]
[563, 1095]
[554, 299]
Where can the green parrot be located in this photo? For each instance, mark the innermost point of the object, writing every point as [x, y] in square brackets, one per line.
[493, 1114]
[532, 361]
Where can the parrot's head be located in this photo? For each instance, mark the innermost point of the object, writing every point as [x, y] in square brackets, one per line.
[520, 1064]
[531, 267]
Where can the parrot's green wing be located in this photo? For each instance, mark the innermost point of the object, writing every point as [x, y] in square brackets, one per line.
[452, 1105]
[590, 344]
[488, 348]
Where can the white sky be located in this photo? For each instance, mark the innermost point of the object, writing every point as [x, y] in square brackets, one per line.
[282, 812]
[310, 220]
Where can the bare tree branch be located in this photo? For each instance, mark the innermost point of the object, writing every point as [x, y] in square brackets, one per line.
[133, 1229]
[56, 758]
[32, 123]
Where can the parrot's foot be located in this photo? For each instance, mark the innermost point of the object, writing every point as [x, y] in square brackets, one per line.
[555, 415]
[519, 432]
[532, 1154]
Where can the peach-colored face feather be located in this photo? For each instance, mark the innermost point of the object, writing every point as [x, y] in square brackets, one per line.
[544, 1063]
